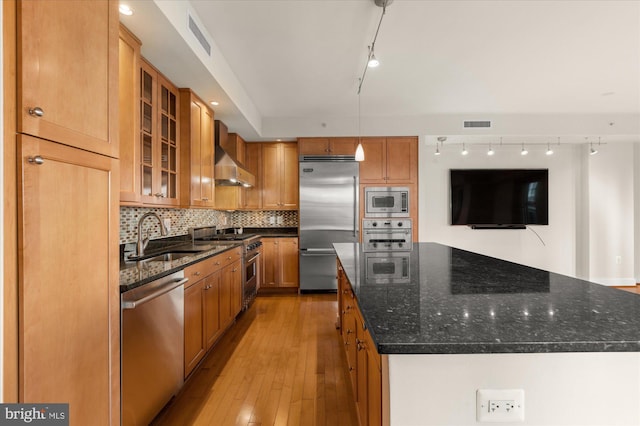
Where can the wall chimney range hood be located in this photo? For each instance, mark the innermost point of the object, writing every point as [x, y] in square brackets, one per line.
[228, 171]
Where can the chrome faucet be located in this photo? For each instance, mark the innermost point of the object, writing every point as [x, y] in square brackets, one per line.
[142, 242]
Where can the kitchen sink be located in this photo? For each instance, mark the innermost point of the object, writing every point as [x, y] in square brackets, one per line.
[172, 254]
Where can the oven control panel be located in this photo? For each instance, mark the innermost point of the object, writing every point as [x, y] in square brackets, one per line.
[387, 234]
[395, 223]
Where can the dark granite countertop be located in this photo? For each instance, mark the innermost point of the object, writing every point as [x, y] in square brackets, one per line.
[458, 302]
[136, 274]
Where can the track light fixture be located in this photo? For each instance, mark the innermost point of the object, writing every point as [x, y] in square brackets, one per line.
[372, 61]
[549, 150]
[464, 150]
[491, 151]
[592, 150]
[524, 150]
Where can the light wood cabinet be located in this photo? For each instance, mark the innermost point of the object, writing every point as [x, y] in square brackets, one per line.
[389, 160]
[327, 146]
[252, 197]
[363, 361]
[280, 262]
[212, 300]
[196, 151]
[280, 176]
[159, 138]
[129, 114]
[69, 305]
[68, 73]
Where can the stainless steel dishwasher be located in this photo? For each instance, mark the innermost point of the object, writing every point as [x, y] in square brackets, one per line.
[152, 347]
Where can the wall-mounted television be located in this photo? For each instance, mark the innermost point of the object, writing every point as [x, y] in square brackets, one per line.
[499, 198]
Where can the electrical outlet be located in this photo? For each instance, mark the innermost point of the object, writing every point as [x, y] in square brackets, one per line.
[272, 220]
[279, 220]
[500, 405]
[167, 224]
[618, 260]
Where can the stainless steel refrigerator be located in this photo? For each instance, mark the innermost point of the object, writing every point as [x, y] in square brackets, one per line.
[329, 209]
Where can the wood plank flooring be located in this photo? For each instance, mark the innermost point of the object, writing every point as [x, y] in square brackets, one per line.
[282, 363]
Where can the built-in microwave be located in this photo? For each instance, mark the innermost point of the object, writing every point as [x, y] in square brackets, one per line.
[386, 201]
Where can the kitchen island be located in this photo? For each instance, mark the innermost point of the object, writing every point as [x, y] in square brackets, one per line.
[449, 322]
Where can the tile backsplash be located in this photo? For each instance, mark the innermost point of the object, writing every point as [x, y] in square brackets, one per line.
[183, 219]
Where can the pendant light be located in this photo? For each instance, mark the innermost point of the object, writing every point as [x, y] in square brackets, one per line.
[359, 149]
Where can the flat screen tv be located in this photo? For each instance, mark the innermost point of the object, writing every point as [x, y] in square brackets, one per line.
[497, 198]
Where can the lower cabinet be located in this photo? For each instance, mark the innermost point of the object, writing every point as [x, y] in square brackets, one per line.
[212, 300]
[363, 361]
[280, 262]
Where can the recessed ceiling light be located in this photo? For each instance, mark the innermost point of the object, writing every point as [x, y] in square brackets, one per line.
[215, 103]
[125, 9]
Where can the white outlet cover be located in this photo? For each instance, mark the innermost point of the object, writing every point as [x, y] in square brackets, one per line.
[507, 406]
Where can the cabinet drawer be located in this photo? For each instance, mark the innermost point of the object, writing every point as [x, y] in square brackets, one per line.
[229, 256]
[199, 270]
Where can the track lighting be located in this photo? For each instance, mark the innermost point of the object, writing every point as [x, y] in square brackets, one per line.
[491, 151]
[464, 150]
[373, 62]
[524, 150]
[592, 150]
[437, 150]
[549, 150]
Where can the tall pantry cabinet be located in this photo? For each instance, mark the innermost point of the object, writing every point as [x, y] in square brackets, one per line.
[67, 206]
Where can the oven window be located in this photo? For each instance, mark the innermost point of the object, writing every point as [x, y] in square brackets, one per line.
[250, 271]
[382, 201]
[386, 268]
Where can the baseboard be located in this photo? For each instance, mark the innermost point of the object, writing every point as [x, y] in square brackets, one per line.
[615, 282]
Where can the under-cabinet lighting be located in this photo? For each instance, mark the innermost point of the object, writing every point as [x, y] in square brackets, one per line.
[125, 9]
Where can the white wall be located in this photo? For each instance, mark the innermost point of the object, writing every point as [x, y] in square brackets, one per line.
[611, 214]
[557, 254]
[591, 209]
[580, 389]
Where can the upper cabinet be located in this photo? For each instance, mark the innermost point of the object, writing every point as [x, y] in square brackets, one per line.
[252, 197]
[80, 44]
[196, 151]
[159, 100]
[327, 146]
[129, 113]
[280, 176]
[390, 160]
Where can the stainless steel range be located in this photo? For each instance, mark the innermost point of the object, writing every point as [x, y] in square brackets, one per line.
[386, 234]
[252, 249]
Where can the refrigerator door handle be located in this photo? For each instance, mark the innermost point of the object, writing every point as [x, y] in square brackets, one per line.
[356, 205]
[317, 252]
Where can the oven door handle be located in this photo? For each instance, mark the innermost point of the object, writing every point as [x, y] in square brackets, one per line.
[132, 304]
[254, 258]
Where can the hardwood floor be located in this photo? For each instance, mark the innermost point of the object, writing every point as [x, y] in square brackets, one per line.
[282, 363]
[632, 289]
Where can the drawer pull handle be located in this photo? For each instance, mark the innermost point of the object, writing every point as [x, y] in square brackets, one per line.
[36, 112]
[35, 160]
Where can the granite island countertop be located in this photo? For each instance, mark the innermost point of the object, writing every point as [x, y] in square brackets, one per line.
[457, 302]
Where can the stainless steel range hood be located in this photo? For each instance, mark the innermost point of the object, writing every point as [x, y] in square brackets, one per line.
[228, 171]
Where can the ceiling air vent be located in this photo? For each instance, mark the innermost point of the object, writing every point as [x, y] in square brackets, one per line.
[476, 124]
[199, 35]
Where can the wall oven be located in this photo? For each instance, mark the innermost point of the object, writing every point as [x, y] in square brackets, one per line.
[388, 267]
[386, 201]
[387, 234]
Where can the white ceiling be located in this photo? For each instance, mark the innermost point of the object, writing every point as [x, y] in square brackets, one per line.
[290, 68]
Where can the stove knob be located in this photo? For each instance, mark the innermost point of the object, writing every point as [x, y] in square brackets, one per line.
[400, 224]
[375, 245]
[374, 224]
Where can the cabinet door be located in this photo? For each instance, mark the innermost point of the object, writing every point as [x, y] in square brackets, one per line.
[269, 262]
[253, 162]
[402, 160]
[236, 288]
[271, 177]
[212, 329]
[343, 146]
[196, 151]
[373, 168]
[313, 146]
[195, 345]
[288, 262]
[166, 178]
[226, 296]
[148, 131]
[129, 115]
[289, 169]
[68, 73]
[68, 233]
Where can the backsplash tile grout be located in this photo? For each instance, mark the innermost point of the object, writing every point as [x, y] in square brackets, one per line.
[183, 219]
